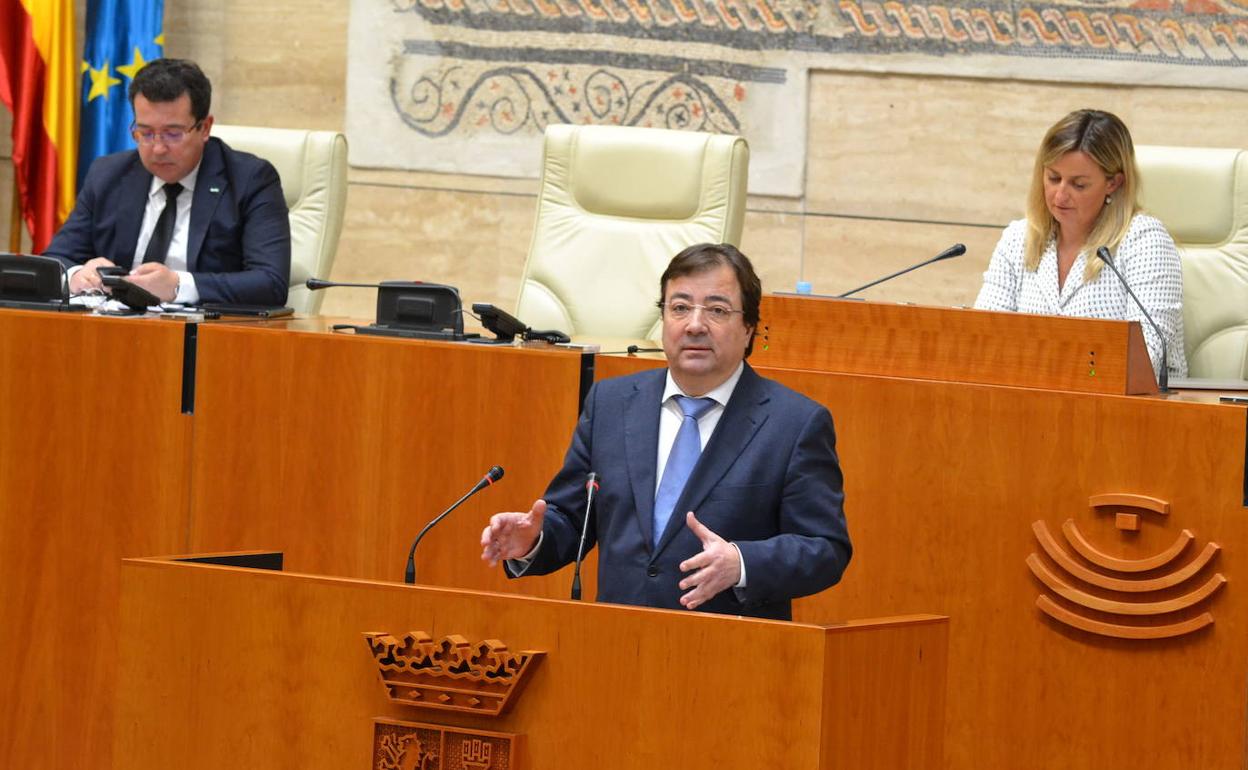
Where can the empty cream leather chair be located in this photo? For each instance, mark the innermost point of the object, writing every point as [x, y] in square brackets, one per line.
[1201, 194]
[615, 205]
[313, 168]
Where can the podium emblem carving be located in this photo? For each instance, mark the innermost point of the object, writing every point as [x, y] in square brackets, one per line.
[451, 673]
[1153, 597]
[416, 746]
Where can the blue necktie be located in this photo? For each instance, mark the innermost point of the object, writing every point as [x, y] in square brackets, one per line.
[680, 461]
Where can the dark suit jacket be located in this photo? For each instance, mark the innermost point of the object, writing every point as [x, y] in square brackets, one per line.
[768, 480]
[238, 246]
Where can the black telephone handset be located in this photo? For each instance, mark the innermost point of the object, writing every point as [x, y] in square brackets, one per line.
[132, 296]
[507, 327]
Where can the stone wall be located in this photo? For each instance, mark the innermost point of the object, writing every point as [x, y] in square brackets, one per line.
[898, 166]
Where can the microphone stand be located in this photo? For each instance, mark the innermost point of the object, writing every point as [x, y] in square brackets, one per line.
[1163, 377]
[409, 574]
[956, 250]
[591, 486]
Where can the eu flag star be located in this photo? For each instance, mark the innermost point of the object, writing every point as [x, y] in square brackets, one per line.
[136, 64]
[101, 81]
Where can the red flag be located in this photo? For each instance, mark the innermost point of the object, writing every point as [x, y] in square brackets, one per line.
[37, 84]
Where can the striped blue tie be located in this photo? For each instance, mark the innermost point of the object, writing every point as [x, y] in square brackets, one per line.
[680, 461]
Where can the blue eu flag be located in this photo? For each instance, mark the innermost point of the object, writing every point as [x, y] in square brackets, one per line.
[122, 36]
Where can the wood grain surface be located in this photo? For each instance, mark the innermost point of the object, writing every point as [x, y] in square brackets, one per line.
[272, 670]
[93, 467]
[955, 344]
[337, 449]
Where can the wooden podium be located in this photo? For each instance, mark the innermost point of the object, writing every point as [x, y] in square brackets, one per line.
[956, 344]
[93, 466]
[229, 667]
[1085, 543]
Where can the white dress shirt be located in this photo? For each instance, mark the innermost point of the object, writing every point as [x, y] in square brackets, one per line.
[1147, 258]
[188, 294]
[670, 419]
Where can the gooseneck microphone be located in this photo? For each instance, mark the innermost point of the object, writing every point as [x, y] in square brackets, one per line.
[494, 474]
[591, 487]
[956, 250]
[316, 283]
[1163, 378]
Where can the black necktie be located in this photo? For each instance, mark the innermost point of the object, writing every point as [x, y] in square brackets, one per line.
[162, 236]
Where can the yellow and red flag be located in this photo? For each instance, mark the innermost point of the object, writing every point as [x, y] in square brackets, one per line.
[38, 79]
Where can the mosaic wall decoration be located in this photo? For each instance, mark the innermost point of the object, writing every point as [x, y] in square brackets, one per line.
[468, 85]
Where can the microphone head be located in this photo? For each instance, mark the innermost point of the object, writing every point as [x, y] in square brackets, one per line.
[632, 349]
[495, 473]
[317, 283]
[1103, 253]
[956, 250]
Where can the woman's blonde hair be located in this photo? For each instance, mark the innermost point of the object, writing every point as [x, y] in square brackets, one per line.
[1104, 139]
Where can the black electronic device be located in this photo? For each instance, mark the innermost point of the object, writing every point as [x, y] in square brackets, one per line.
[506, 327]
[503, 325]
[131, 295]
[33, 282]
[257, 311]
[409, 309]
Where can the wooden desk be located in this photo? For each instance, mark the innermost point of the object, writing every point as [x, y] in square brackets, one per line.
[945, 485]
[94, 467]
[337, 449]
[272, 670]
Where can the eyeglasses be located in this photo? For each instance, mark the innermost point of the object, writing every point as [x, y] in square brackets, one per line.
[168, 136]
[716, 314]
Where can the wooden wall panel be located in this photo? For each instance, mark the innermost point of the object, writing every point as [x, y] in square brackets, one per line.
[93, 468]
[943, 484]
[272, 670]
[338, 449]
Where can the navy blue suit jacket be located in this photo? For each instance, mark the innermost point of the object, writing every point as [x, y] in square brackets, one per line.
[768, 480]
[238, 246]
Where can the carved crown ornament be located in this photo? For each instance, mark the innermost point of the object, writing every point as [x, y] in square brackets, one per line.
[1154, 596]
[451, 674]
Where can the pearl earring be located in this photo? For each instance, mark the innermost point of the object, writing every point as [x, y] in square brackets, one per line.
[1109, 199]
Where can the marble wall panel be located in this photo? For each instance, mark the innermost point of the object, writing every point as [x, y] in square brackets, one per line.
[473, 240]
[278, 63]
[898, 166]
[843, 253]
[773, 242]
[960, 150]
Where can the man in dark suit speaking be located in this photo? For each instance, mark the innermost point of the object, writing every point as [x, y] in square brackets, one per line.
[191, 219]
[721, 489]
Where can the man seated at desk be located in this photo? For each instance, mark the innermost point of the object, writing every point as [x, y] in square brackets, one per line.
[191, 219]
[721, 490]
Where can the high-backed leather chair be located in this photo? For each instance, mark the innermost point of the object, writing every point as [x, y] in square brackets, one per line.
[1201, 195]
[615, 205]
[313, 168]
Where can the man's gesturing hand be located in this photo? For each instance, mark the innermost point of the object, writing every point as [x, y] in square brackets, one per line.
[512, 535]
[717, 567]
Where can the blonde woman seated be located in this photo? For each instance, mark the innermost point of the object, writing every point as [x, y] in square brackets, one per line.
[1083, 197]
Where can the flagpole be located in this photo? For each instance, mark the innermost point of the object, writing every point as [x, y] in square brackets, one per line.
[15, 217]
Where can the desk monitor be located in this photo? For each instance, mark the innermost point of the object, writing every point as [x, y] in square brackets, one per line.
[32, 282]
